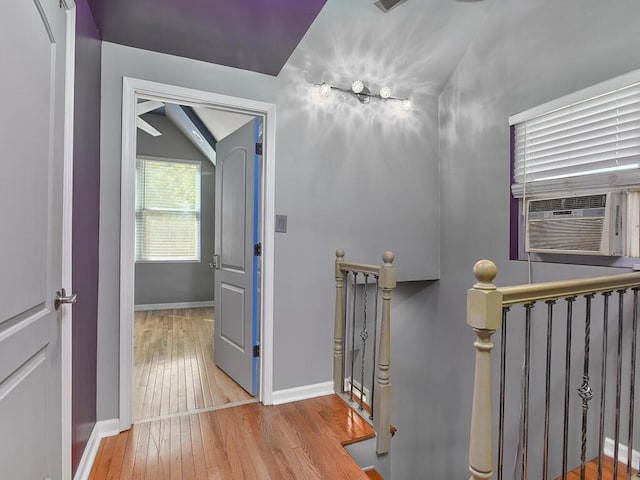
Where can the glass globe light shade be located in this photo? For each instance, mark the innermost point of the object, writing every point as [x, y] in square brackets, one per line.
[324, 90]
[407, 106]
[385, 92]
[357, 86]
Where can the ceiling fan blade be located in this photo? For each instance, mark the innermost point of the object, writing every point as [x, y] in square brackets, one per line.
[142, 125]
[148, 106]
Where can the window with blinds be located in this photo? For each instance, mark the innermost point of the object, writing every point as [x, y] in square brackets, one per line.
[167, 210]
[590, 144]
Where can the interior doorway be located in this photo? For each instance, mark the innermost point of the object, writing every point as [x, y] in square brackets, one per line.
[193, 167]
[181, 327]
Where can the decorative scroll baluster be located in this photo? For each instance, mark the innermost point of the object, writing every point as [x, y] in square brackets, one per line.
[364, 334]
[547, 392]
[585, 391]
[484, 315]
[525, 390]
[616, 446]
[353, 334]
[382, 414]
[632, 382]
[503, 371]
[375, 335]
[339, 326]
[603, 386]
[567, 377]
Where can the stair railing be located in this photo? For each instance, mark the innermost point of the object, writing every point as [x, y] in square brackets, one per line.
[487, 309]
[350, 278]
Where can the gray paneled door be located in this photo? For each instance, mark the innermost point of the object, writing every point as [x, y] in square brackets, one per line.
[32, 80]
[236, 323]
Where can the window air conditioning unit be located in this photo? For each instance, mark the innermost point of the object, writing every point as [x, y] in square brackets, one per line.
[579, 225]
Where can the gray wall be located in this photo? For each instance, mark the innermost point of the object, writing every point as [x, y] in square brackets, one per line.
[86, 219]
[176, 282]
[527, 53]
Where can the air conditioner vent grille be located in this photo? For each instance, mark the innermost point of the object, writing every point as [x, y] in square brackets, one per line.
[584, 234]
[568, 203]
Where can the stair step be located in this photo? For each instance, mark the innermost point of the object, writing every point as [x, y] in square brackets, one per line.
[373, 473]
[592, 470]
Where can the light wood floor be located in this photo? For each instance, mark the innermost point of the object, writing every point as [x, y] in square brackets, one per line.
[302, 440]
[174, 369]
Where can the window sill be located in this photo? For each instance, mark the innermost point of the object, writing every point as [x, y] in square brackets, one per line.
[591, 260]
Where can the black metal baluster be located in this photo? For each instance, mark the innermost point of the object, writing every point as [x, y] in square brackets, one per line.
[375, 346]
[585, 391]
[567, 376]
[353, 332]
[632, 382]
[363, 336]
[503, 365]
[603, 386]
[616, 446]
[547, 392]
[525, 390]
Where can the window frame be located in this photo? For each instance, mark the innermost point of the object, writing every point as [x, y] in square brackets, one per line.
[153, 260]
[516, 209]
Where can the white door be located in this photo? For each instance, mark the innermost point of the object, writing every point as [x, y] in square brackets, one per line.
[32, 77]
[236, 329]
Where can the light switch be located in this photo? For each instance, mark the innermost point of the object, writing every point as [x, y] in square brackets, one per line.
[281, 224]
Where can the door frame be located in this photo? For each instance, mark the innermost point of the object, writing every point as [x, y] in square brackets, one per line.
[131, 89]
[66, 330]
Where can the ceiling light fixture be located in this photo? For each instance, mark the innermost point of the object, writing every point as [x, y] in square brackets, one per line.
[363, 94]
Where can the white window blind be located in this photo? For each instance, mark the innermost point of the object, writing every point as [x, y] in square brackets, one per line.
[592, 144]
[167, 210]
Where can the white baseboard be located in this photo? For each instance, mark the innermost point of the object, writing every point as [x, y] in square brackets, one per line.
[302, 393]
[102, 429]
[171, 306]
[622, 452]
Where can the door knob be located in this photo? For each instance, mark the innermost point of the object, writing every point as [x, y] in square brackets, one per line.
[216, 262]
[62, 297]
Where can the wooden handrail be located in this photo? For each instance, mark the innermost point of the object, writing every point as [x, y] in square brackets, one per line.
[485, 302]
[567, 288]
[382, 397]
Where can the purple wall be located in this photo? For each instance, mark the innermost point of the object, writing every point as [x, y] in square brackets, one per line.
[86, 208]
[257, 35]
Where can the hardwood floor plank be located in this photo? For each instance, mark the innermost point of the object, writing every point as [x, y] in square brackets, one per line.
[199, 463]
[118, 455]
[175, 459]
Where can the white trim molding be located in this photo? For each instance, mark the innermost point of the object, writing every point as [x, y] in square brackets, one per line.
[172, 306]
[102, 429]
[622, 453]
[302, 393]
[133, 88]
[66, 331]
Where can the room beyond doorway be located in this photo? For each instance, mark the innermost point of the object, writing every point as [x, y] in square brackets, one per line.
[133, 90]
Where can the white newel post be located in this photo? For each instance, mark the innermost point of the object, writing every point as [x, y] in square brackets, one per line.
[382, 410]
[484, 314]
[338, 330]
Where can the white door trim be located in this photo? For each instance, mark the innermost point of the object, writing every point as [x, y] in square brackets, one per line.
[131, 89]
[66, 331]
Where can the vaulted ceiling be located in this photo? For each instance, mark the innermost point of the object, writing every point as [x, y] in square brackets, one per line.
[257, 35]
